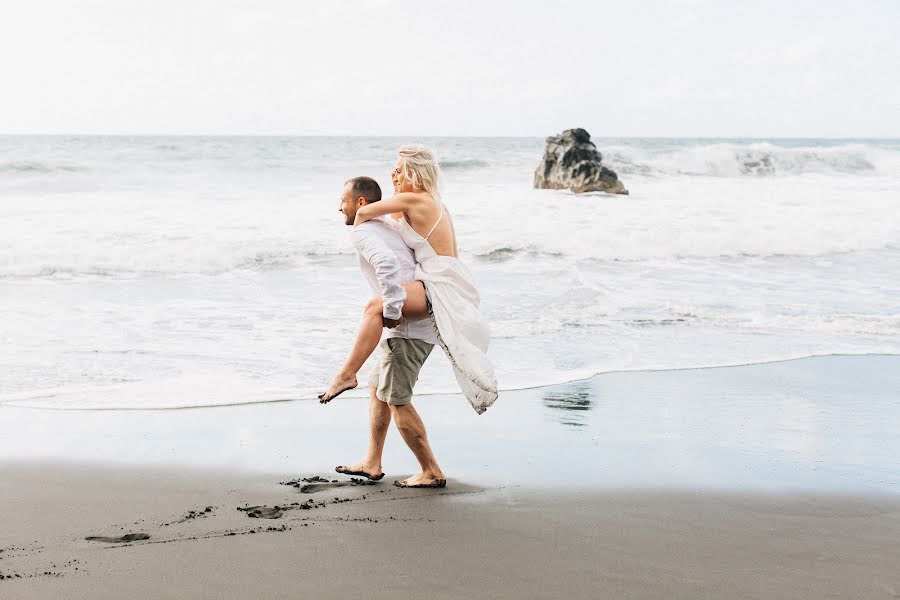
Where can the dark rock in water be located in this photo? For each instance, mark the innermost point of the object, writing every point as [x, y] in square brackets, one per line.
[571, 161]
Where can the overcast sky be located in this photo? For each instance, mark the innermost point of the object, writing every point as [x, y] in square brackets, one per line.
[701, 68]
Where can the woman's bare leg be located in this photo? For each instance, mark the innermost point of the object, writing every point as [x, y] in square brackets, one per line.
[370, 334]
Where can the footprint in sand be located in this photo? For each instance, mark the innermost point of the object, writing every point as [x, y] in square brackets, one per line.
[311, 485]
[265, 512]
[128, 537]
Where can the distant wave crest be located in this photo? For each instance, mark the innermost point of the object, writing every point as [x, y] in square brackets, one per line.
[35, 167]
[126, 266]
[753, 160]
[505, 253]
[469, 163]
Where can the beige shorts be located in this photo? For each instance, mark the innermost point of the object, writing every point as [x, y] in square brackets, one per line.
[397, 369]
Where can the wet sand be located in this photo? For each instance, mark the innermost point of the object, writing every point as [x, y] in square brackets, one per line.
[822, 424]
[766, 481]
[377, 541]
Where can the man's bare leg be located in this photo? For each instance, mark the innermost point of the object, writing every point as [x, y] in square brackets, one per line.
[379, 421]
[412, 429]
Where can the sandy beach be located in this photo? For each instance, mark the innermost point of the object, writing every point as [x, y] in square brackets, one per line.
[377, 541]
[765, 481]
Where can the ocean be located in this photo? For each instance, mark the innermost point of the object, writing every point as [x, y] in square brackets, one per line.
[174, 272]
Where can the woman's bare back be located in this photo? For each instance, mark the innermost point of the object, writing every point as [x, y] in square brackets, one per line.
[443, 238]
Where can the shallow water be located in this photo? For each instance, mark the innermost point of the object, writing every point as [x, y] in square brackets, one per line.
[173, 272]
[822, 424]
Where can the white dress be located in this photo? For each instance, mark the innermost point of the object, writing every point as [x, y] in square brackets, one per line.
[453, 301]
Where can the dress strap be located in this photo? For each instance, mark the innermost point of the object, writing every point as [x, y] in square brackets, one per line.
[433, 227]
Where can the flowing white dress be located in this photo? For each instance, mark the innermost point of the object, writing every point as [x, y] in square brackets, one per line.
[453, 301]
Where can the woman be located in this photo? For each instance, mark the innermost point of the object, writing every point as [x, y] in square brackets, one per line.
[443, 287]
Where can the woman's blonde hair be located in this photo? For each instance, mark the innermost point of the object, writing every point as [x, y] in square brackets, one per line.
[418, 164]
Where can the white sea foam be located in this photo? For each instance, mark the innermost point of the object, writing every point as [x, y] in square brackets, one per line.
[730, 159]
[139, 234]
[164, 273]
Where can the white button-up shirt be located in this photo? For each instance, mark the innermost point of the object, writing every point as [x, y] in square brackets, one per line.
[387, 263]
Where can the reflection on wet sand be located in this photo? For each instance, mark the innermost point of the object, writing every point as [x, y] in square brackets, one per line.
[826, 423]
[569, 403]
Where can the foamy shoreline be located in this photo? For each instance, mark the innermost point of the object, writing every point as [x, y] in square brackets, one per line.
[796, 425]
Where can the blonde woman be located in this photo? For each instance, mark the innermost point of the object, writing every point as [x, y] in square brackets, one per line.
[443, 289]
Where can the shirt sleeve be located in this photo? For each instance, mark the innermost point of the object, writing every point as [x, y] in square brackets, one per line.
[387, 270]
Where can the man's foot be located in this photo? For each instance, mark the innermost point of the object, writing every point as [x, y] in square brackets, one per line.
[340, 385]
[363, 470]
[422, 481]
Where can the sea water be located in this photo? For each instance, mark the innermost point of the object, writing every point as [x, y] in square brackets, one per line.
[168, 272]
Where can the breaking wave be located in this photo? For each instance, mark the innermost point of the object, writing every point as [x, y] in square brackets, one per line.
[761, 159]
[469, 163]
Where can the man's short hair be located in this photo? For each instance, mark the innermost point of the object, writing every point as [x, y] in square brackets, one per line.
[365, 187]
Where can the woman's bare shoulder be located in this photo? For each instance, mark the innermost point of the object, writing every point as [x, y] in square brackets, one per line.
[413, 198]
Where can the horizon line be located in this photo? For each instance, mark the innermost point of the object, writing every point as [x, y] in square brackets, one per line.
[431, 135]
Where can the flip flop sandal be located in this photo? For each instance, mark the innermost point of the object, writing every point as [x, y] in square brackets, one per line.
[437, 483]
[345, 471]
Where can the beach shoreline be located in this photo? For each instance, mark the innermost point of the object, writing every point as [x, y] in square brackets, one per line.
[774, 480]
[816, 424]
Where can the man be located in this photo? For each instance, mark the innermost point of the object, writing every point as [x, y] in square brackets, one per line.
[387, 263]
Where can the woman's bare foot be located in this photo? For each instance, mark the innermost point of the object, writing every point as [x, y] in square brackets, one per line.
[341, 384]
[426, 480]
[372, 472]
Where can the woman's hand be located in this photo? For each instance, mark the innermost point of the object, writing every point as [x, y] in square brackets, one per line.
[361, 216]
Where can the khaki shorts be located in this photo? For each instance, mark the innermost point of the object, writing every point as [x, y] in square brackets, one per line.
[397, 370]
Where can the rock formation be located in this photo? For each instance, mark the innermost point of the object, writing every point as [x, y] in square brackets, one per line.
[571, 161]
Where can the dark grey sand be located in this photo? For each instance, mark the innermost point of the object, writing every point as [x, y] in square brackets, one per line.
[766, 481]
[462, 542]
